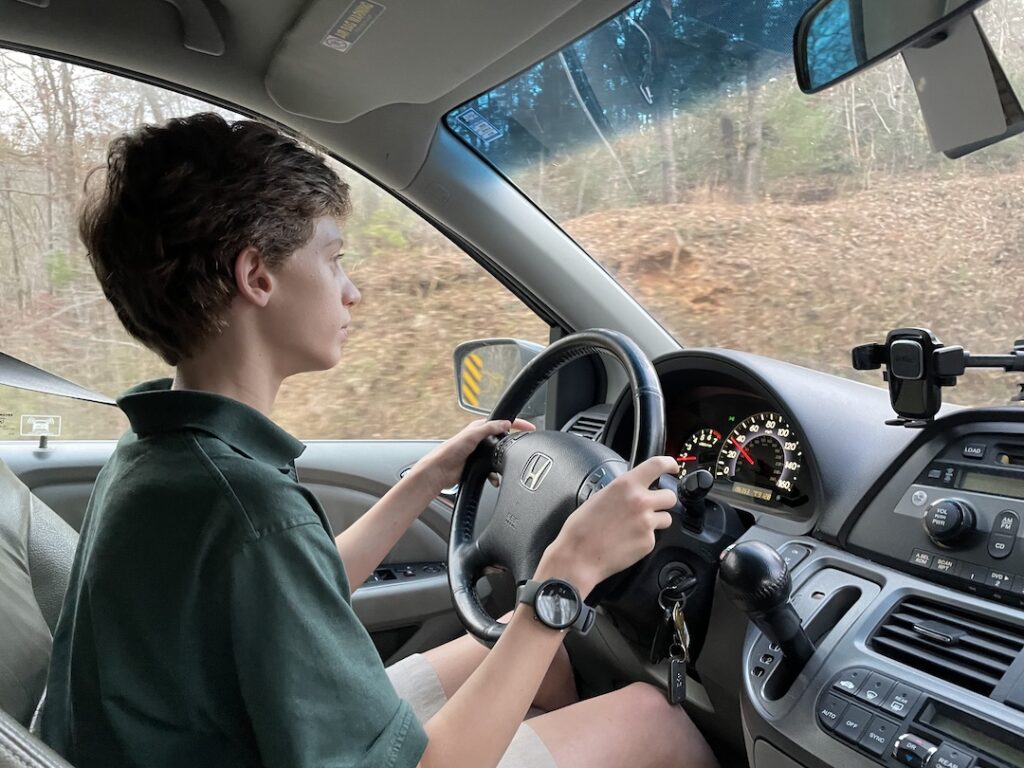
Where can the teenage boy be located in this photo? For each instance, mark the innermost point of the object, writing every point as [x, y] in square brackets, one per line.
[208, 619]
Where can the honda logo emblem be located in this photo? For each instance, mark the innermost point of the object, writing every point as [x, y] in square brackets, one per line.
[536, 470]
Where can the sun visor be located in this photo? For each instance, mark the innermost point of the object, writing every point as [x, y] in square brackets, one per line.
[343, 59]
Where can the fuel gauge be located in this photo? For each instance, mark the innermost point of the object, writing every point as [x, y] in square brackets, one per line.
[700, 451]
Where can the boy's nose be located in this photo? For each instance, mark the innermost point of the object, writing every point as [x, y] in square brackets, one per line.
[351, 296]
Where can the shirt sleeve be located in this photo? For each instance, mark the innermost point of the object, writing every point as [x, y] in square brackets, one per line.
[312, 683]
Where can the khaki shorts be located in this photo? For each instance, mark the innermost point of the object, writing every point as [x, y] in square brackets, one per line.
[417, 682]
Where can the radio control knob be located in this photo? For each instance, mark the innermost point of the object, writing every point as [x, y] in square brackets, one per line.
[947, 521]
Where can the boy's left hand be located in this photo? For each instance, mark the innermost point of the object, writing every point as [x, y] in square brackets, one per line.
[444, 464]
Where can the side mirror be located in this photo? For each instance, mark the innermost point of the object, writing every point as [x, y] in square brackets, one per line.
[836, 38]
[485, 367]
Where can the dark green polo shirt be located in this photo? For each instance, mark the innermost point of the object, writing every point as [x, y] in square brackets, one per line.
[208, 619]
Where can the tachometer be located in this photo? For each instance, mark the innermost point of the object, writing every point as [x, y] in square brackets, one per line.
[700, 451]
[761, 457]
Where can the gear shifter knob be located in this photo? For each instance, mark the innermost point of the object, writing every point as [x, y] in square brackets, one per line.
[757, 580]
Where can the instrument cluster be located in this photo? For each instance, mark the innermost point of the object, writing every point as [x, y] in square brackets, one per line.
[751, 448]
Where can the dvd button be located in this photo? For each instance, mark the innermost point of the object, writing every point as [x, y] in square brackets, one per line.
[999, 580]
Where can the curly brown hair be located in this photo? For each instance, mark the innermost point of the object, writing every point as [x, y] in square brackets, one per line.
[179, 202]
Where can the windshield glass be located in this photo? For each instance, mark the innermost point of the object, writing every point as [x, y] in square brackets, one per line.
[673, 144]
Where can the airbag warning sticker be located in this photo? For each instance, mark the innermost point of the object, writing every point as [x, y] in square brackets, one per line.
[352, 25]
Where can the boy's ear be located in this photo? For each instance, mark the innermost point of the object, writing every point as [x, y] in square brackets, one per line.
[252, 278]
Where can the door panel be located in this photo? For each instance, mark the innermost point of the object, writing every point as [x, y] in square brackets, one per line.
[404, 615]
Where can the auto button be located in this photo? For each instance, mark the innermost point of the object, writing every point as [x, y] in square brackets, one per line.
[830, 709]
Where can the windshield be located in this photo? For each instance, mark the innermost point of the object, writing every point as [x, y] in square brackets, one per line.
[674, 145]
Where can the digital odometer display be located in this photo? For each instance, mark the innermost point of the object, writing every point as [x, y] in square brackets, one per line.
[762, 452]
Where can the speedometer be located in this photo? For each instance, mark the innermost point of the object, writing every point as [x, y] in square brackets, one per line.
[761, 457]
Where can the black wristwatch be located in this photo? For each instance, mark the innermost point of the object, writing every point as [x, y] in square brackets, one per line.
[557, 604]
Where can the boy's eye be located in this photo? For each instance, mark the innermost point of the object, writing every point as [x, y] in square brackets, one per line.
[339, 257]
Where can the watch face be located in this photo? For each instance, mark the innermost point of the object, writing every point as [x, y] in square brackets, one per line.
[557, 604]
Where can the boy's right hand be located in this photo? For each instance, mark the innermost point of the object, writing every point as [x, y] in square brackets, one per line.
[613, 529]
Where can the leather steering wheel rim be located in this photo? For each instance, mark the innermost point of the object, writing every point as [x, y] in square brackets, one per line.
[465, 559]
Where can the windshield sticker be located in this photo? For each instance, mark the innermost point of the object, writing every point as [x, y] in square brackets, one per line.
[34, 425]
[479, 125]
[7, 424]
[352, 25]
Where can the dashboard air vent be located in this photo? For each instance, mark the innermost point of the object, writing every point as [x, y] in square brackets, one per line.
[589, 424]
[952, 644]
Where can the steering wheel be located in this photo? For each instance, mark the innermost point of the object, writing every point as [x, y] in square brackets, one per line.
[545, 475]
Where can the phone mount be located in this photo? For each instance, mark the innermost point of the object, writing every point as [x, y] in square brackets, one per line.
[918, 365]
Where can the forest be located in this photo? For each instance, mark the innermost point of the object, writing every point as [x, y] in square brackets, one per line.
[741, 212]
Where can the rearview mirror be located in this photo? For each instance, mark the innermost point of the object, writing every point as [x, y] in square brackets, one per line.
[484, 368]
[837, 38]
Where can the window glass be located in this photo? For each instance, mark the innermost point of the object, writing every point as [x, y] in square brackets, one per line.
[421, 295]
[673, 144]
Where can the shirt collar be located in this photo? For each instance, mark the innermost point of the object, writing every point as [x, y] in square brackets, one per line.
[153, 407]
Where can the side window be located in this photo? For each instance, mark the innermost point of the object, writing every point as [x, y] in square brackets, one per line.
[421, 295]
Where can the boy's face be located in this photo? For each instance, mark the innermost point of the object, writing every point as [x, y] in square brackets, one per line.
[310, 305]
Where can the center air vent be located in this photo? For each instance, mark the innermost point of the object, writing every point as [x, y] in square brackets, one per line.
[954, 645]
[589, 424]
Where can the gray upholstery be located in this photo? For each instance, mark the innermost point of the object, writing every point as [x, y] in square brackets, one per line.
[36, 551]
[19, 749]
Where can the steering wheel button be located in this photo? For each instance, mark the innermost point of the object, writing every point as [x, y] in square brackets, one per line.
[830, 709]
[853, 723]
[879, 736]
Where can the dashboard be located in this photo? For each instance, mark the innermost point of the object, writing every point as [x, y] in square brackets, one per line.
[905, 551]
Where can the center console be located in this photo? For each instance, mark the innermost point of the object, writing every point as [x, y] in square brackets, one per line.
[920, 658]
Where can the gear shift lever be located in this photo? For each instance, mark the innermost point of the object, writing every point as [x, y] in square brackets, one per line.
[757, 580]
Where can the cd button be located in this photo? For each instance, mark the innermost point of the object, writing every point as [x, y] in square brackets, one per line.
[999, 546]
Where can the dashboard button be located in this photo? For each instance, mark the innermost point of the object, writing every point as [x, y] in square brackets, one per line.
[1007, 523]
[974, 451]
[999, 580]
[853, 722]
[879, 736]
[950, 757]
[794, 554]
[945, 565]
[901, 700]
[919, 498]
[830, 709]
[850, 680]
[999, 546]
[913, 751]
[876, 689]
[1018, 586]
[922, 558]
[975, 574]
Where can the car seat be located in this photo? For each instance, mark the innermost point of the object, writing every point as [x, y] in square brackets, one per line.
[36, 551]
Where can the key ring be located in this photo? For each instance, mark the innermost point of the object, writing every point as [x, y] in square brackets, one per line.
[680, 601]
